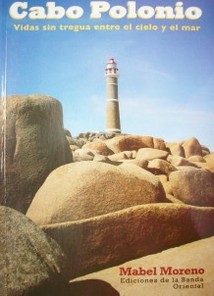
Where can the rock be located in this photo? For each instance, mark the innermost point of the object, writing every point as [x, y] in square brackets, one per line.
[71, 141]
[159, 144]
[92, 288]
[193, 186]
[87, 189]
[75, 142]
[83, 155]
[109, 135]
[134, 154]
[67, 133]
[81, 142]
[31, 263]
[210, 162]
[160, 166]
[112, 239]
[163, 178]
[192, 147]
[187, 168]
[172, 199]
[98, 146]
[74, 147]
[120, 156]
[193, 255]
[151, 154]
[83, 136]
[129, 143]
[35, 145]
[166, 185]
[130, 154]
[140, 163]
[205, 150]
[196, 158]
[176, 149]
[178, 161]
[101, 158]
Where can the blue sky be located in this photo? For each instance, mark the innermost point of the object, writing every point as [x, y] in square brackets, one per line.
[166, 82]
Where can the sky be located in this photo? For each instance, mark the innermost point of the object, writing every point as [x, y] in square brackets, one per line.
[166, 81]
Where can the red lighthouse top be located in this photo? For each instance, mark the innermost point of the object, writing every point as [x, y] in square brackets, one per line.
[111, 68]
[111, 61]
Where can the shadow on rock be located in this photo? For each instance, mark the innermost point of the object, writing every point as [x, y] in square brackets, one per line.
[31, 263]
[91, 288]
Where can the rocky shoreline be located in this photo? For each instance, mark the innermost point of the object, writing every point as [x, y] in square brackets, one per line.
[77, 205]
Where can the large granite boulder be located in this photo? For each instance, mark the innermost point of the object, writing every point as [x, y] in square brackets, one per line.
[177, 161]
[35, 145]
[104, 241]
[122, 155]
[196, 159]
[160, 166]
[31, 263]
[131, 142]
[176, 149]
[193, 186]
[151, 154]
[210, 161]
[87, 189]
[192, 147]
[196, 255]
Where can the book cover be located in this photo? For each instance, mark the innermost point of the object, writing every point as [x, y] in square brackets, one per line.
[107, 162]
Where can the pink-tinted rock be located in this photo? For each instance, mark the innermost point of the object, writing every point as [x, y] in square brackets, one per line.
[193, 186]
[99, 146]
[192, 147]
[195, 255]
[176, 149]
[130, 142]
[112, 239]
[35, 145]
[160, 166]
[87, 189]
[151, 154]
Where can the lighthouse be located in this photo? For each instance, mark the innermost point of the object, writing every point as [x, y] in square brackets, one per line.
[112, 108]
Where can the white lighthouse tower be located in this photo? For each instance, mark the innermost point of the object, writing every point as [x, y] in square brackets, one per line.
[112, 110]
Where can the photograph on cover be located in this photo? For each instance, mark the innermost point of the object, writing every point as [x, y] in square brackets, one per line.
[107, 148]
